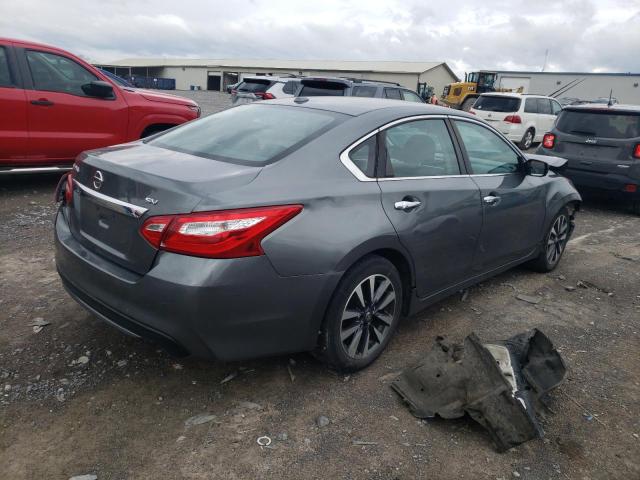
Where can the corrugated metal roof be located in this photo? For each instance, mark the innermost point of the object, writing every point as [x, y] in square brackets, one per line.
[329, 65]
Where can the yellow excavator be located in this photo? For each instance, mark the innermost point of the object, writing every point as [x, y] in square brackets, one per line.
[462, 95]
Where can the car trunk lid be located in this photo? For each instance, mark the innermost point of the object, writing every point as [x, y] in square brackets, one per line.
[117, 188]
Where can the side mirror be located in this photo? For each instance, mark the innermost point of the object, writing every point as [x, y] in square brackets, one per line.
[536, 168]
[98, 89]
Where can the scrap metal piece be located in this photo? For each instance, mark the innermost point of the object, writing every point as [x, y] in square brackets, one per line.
[496, 384]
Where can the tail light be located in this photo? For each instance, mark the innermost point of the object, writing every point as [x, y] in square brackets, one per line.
[222, 234]
[636, 151]
[264, 95]
[549, 140]
[472, 112]
[64, 190]
[234, 91]
[513, 119]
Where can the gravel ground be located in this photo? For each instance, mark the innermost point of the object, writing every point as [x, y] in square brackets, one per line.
[210, 102]
[78, 397]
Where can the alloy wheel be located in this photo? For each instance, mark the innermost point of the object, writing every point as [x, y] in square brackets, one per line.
[367, 316]
[557, 239]
[528, 139]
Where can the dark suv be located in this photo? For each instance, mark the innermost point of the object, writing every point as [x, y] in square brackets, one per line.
[355, 87]
[602, 145]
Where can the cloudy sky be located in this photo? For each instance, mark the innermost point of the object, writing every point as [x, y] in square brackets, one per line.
[580, 35]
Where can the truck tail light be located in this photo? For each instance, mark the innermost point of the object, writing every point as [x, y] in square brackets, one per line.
[549, 140]
[64, 190]
[221, 234]
[636, 151]
[513, 119]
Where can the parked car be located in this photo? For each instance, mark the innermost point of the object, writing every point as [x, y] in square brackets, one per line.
[233, 86]
[264, 87]
[352, 87]
[523, 119]
[268, 88]
[248, 232]
[602, 146]
[61, 105]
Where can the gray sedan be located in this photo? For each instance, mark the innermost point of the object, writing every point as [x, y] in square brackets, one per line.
[302, 224]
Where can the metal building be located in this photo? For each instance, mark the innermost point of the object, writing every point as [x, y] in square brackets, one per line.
[585, 86]
[217, 74]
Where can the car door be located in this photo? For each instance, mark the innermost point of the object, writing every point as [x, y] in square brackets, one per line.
[13, 127]
[63, 120]
[513, 202]
[433, 206]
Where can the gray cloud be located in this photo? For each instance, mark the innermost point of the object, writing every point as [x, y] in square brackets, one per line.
[580, 35]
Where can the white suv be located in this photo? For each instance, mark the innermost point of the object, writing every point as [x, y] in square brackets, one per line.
[523, 119]
[264, 87]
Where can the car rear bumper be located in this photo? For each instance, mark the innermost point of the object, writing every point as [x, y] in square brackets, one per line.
[228, 309]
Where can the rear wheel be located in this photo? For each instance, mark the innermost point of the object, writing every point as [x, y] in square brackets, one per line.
[468, 103]
[362, 315]
[527, 140]
[554, 244]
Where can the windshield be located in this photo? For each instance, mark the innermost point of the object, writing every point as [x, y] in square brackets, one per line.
[250, 134]
[119, 80]
[491, 103]
[599, 124]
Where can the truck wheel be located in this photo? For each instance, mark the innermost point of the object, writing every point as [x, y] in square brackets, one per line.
[527, 139]
[468, 103]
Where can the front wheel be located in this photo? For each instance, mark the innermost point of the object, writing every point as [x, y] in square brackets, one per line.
[555, 243]
[362, 315]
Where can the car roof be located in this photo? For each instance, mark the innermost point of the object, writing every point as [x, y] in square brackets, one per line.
[599, 107]
[269, 78]
[360, 105]
[514, 95]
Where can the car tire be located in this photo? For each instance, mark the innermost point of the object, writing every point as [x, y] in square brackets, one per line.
[527, 139]
[554, 243]
[360, 320]
[467, 104]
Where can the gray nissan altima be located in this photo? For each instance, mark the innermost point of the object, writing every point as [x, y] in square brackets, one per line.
[302, 224]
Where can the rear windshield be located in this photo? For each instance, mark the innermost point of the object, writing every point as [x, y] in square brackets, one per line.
[599, 124]
[254, 86]
[497, 104]
[322, 89]
[249, 134]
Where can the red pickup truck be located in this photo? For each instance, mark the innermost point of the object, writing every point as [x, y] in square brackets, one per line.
[54, 105]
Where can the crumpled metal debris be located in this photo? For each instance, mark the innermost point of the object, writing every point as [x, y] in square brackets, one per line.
[499, 384]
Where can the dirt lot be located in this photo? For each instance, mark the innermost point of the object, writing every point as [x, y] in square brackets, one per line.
[78, 397]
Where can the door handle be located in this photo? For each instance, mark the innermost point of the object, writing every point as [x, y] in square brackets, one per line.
[406, 205]
[491, 200]
[43, 102]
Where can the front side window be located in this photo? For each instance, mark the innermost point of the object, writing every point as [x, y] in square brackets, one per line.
[409, 96]
[56, 73]
[421, 148]
[249, 134]
[5, 73]
[487, 152]
[393, 93]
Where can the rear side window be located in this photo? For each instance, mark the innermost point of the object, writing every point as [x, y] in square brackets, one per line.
[251, 134]
[56, 73]
[364, 156]
[556, 107]
[531, 105]
[253, 86]
[497, 104]
[544, 106]
[487, 152]
[5, 73]
[409, 96]
[422, 148]
[599, 124]
[322, 89]
[393, 93]
[364, 91]
[290, 87]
